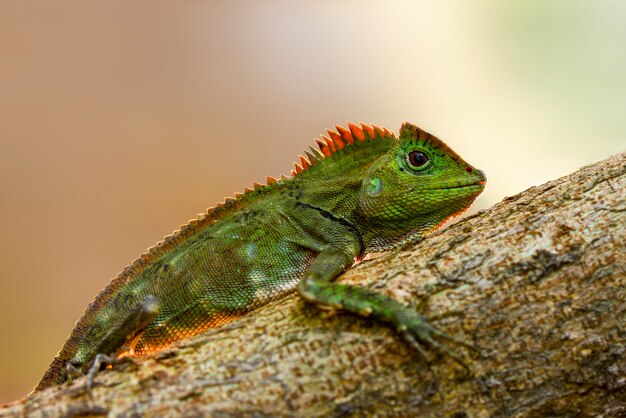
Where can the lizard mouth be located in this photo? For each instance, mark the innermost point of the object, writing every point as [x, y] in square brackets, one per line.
[460, 186]
[477, 184]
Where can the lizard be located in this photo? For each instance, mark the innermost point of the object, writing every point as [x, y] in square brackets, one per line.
[362, 190]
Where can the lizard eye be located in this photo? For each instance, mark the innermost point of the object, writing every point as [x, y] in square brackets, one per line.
[417, 158]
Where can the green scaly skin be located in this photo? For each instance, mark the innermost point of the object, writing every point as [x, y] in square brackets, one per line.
[364, 190]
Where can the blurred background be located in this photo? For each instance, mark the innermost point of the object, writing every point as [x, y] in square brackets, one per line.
[119, 121]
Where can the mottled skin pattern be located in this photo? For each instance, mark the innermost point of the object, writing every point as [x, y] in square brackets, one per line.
[364, 190]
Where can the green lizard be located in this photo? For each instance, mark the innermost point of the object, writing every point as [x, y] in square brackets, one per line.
[363, 190]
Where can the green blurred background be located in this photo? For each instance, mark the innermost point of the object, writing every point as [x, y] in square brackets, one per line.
[119, 121]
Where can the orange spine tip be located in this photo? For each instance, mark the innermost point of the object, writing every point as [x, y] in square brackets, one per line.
[298, 168]
[237, 195]
[304, 162]
[368, 130]
[257, 185]
[283, 177]
[336, 138]
[356, 131]
[345, 134]
[324, 148]
[379, 131]
[270, 180]
[293, 173]
[247, 190]
[329, 143]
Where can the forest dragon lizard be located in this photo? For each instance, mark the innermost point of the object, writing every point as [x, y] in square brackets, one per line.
[362, 190]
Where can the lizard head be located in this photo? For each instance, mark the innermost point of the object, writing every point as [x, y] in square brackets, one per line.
[415, 187]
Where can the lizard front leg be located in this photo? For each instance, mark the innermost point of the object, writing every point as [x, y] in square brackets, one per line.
[317, 287]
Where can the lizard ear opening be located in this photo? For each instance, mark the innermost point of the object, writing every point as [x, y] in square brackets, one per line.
[375, 197]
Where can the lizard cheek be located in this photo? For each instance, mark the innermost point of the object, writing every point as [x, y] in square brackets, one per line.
[375, 186]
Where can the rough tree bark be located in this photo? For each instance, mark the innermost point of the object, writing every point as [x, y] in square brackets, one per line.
[538, 282]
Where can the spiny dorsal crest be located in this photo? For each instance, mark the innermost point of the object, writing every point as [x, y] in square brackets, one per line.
[338, 140]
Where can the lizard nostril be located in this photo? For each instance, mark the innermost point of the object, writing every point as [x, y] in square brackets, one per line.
[468, 169]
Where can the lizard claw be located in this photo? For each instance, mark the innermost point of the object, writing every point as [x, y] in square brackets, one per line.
[410, 339]
[454, 339]
[98, 362]
[102, 360]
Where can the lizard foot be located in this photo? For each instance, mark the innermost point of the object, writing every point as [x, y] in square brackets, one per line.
[99, 362]
[416, 331]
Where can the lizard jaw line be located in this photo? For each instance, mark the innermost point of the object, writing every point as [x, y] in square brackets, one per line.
[480, 184]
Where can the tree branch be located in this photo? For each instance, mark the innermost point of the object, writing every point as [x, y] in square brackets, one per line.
[538, 282]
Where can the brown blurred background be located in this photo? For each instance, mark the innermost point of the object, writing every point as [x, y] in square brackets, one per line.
[119, 121]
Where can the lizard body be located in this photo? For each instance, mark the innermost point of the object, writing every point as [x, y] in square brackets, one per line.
[363, 190]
